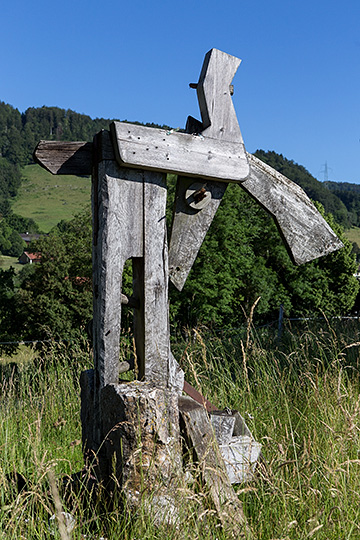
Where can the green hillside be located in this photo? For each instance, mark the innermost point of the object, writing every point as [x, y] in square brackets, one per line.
[48, 199]
[353, 235]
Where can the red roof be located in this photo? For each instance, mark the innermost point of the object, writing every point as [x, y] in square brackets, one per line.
[33, 256]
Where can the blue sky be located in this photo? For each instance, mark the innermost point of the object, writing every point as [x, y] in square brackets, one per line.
[297, 90]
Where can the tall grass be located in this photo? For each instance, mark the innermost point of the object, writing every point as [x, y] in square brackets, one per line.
[301, 400]
[299, 397]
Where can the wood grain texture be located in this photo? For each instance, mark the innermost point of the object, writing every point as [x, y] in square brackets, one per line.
[151, 282]
[305, 232]
[219, 122]
[129, 209]
[200, 437]
[151, 322]
[120, 236]
[117, 200]
[179, 153]
[142, 445]
[213, 90]
[60, 157]
[189, 229]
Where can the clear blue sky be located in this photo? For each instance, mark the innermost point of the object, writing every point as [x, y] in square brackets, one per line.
[297, 90]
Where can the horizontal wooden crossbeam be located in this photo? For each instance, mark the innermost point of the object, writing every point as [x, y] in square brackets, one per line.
[59, 157]
[179, 153]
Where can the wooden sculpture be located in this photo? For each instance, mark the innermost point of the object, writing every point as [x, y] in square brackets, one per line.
[129, 164]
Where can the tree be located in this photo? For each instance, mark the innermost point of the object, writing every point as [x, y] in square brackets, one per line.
[56, 298]
[10, 180]
[10, 242]
[9, 314]
[243, 258]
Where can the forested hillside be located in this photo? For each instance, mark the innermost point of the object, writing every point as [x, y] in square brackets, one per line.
[20, 132]
[316, 190]
[242, 261]
[349, 194]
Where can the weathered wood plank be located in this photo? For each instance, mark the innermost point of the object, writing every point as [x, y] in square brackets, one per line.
[129, 207]
[189, 229]
[151, 321]
[60, 157]
[214, 94]
[120, 236]
[305, 232]
[201, 438]
[179, 153]
[150, 283]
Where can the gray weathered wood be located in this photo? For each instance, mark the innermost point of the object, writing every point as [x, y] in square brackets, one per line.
[219, 122]
[238, 447]
[240, 456]
[129, 208]
[306, 234]
[201, 438]
[60, 157]
[223, 424]
[214, 94]
[189, 229]
[142, 447]
[151, 284]
[179, 153]
[120, 236]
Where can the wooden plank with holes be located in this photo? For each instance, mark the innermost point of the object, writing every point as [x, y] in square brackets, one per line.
[179, 153]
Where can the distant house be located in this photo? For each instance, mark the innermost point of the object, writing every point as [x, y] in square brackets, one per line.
[29, 258]
[29, 237]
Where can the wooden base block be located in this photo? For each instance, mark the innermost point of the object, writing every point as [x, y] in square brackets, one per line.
[140, 424]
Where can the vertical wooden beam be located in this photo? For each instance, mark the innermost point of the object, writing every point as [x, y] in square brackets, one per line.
[129, 208]
[120, 236]
[151, 284]
[117, 195]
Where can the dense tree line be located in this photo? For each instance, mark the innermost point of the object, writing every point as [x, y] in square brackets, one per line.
[349, 194]
[10, 180]
[20, 132]
[242, 259]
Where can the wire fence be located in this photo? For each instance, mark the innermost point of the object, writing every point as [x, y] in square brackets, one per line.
[280, 323]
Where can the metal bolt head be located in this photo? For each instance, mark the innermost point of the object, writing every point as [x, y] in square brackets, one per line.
[198, 195]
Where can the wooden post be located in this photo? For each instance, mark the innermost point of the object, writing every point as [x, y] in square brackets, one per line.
[129, 208]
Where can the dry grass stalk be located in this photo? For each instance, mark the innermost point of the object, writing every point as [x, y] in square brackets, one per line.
[59, 511]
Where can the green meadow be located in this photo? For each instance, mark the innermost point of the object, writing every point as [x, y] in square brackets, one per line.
[48, 198]
[353, 235]
[6, 262]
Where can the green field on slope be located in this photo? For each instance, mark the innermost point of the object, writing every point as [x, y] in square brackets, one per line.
[48, 199]
[353, 235]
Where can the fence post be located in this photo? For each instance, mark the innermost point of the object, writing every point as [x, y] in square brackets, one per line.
[280, 323]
